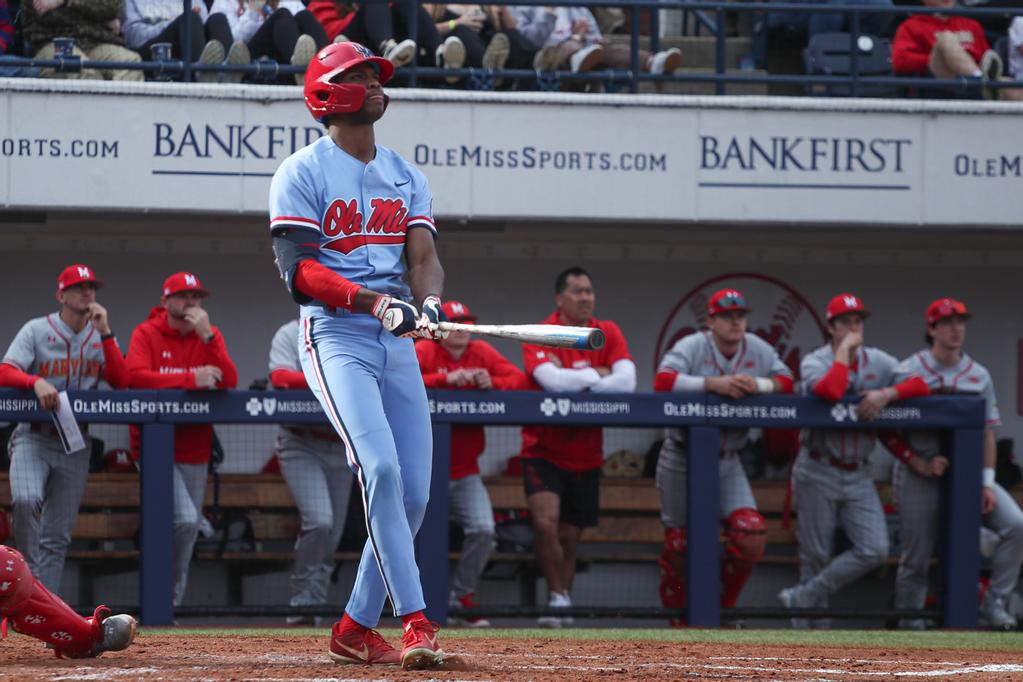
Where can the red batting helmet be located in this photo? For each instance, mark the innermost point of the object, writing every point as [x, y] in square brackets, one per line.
[322, 97]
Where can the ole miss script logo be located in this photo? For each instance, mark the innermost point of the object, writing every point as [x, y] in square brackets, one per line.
[387, 224]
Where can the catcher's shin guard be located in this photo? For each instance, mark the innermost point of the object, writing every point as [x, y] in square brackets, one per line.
[746, 541]
[673, 565]
[33, 610]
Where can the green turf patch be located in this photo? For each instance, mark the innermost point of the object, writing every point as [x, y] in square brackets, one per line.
[887, 639]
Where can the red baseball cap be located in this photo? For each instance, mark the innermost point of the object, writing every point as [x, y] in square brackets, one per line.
[457, 312]
[183, 281]
[76, 274]
[946, 307]
[846, 303]
[726, 299]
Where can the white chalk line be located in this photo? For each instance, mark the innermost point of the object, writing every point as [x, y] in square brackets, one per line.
[833, 660]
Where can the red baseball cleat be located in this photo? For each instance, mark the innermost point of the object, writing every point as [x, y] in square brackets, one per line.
[361, 647]
[420, 648]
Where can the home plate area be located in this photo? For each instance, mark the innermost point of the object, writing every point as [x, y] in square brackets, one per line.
[214, 656]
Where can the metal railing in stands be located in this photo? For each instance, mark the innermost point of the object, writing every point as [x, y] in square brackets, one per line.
[709, 15]
[702, 415]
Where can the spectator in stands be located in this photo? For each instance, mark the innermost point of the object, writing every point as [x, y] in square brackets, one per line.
[147, 22]
[831, 480]
[315, 466]
[943, 367]
[729, 361]
[70, 349]
[6, 28]
[334, 17]
[943, 46]
[95, 27]
[379, 25]
[561, 466]
[879, 24]
[477, 27]
[281, 30]
[177, 347]
[1016, 49]
[573, 41]
[460, 362]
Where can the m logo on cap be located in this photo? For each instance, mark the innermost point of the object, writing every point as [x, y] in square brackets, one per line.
[851, 302]
[458, 308]
[84, 271]
[191, 281]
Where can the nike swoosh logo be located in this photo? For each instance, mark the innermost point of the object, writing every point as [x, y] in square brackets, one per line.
[399, 184]
[362, 653]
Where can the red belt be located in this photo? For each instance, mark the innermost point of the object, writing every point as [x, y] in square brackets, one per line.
[313, 433]
[834, 461]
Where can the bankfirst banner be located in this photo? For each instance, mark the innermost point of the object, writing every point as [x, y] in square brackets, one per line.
[528, 156]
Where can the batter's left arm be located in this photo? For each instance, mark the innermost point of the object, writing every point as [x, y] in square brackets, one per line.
[425, 274]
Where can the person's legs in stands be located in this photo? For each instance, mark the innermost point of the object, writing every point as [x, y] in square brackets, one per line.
[172, 34]
[949, 59]
[109, 52]
[427, 37]
[307, 25]
[48, 51]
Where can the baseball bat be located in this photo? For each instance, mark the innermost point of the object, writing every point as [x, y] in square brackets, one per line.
[555, 335]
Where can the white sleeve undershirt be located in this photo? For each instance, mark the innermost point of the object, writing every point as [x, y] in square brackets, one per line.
[689, 383]
[622, 379]
[561, 379]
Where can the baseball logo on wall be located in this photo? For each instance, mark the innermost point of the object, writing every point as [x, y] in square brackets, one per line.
[778, 314]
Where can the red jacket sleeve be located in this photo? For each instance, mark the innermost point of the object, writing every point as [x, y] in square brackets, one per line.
[504, 375]
[787, 385]
[140, 366]
[216, 354]
[911, 49]
[115, 369]
[426, 354]
[833, 384]
[913, 387]
[288, 378]
[12, 377]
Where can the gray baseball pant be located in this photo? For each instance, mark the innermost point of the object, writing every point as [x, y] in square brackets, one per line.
[471, 509]
[321, 483]
[673, 471]
[46, 491]
[189, 491]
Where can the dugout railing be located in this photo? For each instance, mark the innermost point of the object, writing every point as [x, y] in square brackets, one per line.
[706, 16]
[703, 416]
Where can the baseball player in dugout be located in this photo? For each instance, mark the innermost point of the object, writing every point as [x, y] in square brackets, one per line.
[460, 362]
[350, 220]
[315, 468]
[561, 465]
[943, 367]
[727, 360]
[72, 349]
[832, 483]
[177, 347]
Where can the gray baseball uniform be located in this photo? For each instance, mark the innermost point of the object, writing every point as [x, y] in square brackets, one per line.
[46, 483]
[314, 466]
[697, 356]
[919, 498]
[832, 486]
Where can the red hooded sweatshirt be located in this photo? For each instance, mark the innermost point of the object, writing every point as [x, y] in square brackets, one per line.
[161, 357]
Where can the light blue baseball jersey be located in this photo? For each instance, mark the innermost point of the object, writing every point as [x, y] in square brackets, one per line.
[359, 214]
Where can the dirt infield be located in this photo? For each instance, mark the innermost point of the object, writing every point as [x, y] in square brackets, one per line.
[291, 658]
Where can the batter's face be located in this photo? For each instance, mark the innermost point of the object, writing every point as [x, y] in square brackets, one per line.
[577, 301]
[374, 104]
[456, 342]
[843, 325]
[729, 326]
[949, 333]
[78, 297]
[177, 304]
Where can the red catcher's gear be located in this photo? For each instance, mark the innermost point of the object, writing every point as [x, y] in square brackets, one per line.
[745, 544]
[35, 611]
[673, 566]
[322, 97]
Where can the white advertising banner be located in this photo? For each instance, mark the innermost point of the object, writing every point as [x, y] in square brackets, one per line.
[170, 147]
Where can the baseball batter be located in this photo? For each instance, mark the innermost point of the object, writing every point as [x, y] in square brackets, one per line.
[313, 464]
[944, 368]
[73, 349]
[344, 213]
[832, 483]
[460, 362]
[729, 361]
[33, 610]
